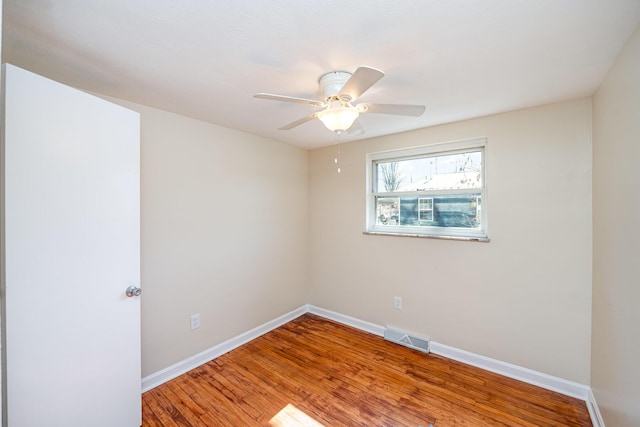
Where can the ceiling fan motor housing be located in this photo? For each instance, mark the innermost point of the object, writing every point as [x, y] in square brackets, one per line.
[332, 83]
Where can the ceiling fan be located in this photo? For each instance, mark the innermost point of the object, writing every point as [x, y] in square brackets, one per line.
[339, 90]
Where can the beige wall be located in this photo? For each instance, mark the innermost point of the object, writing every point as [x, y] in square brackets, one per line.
[224, 234]
[524, 297]
[615, 368]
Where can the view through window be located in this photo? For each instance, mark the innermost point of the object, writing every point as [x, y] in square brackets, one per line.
[433, 190]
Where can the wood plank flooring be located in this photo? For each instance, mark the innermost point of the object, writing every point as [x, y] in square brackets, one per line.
[314, 372]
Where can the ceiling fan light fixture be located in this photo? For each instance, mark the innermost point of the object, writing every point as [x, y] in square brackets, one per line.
[339, 118]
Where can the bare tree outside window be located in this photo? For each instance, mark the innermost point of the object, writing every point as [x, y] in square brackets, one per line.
[390, 176]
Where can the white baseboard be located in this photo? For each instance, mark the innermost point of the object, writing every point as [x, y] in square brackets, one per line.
[594, 411]
[192, 362]
[347, 320]
[526, 375]
[529, 376]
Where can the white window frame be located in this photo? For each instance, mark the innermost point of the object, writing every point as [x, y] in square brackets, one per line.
[444, 148]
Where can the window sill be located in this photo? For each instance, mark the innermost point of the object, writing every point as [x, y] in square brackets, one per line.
[425, 236]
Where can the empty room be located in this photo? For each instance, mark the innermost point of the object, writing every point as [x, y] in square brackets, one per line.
[320, 213]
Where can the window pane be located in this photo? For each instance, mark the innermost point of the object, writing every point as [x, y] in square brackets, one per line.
[444, 172]
[460, 211]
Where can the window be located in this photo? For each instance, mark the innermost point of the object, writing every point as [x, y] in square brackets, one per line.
[425, 209]
[433, 191]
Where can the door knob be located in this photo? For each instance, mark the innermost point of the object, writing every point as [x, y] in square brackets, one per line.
[132, 291]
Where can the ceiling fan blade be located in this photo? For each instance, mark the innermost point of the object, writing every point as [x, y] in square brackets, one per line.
[312, 102]
[397, 109]
[298, 122]
[355, 129]
[360, 82]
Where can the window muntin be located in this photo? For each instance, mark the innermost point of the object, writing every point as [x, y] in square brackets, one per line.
[435, 190]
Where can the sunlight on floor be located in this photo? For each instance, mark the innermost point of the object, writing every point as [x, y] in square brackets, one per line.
[290, 416]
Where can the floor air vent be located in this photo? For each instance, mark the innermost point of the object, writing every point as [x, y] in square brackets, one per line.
[407, 340]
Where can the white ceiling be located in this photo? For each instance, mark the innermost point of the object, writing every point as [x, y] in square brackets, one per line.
[207, 58]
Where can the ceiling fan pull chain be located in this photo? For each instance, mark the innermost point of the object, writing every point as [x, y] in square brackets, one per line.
[336, 159]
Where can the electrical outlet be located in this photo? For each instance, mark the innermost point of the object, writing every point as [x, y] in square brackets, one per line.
[195, 321]
[397, 303]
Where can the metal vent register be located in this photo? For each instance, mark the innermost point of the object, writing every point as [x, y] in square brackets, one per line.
[407, 340]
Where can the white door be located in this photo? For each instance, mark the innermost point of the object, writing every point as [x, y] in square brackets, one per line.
[72, 247]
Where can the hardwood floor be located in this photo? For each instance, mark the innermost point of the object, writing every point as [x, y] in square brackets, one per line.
[315, 372]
